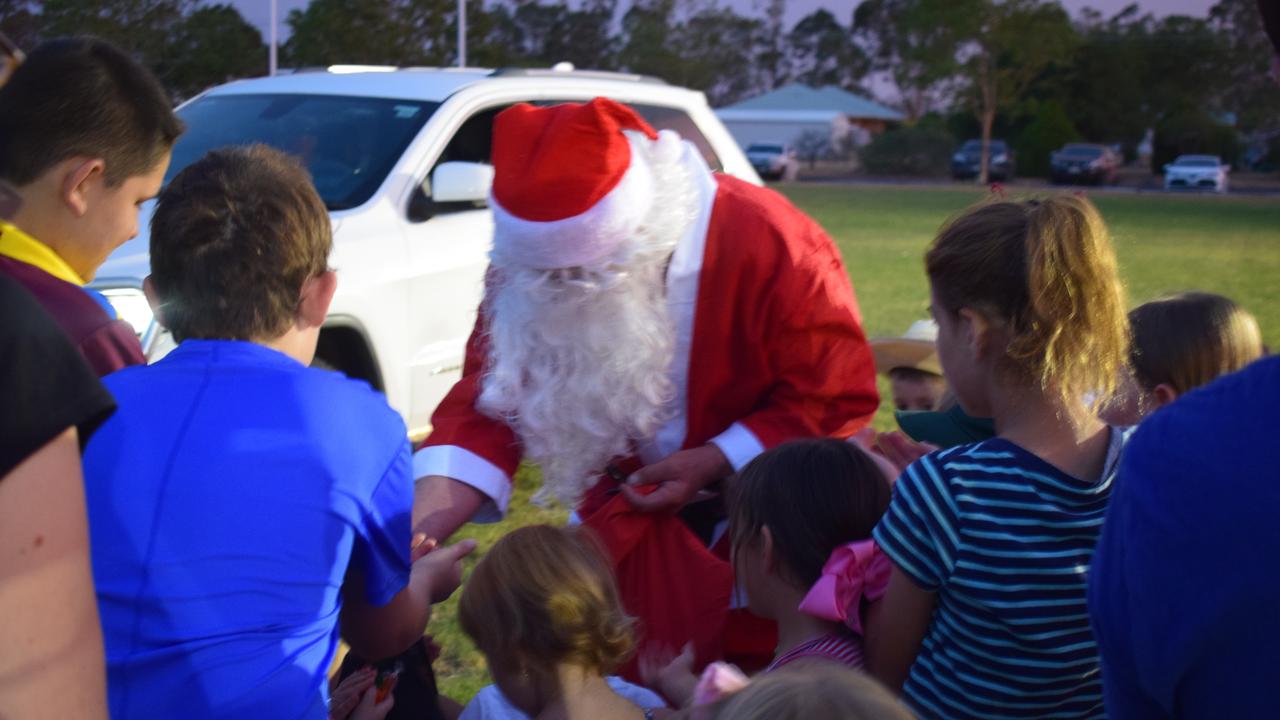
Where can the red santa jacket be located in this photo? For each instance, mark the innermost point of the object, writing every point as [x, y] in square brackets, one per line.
[769, 347]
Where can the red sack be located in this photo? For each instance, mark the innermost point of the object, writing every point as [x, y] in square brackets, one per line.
[669, 580]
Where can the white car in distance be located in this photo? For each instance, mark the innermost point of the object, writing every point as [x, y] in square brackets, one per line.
[401, 159]
[1196, 172]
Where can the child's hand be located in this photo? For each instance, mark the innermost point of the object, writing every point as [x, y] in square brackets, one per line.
[346, 696]
[902, 450]
[672, 677]
[442, 568]
[369, 707]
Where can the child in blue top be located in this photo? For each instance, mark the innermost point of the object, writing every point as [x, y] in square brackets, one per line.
[985, 611]
[244, 508]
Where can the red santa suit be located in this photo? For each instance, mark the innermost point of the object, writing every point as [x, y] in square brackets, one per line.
[769, 347]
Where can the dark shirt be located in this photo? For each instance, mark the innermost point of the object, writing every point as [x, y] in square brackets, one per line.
[107, 344]
[1183, 590]
[45, 385]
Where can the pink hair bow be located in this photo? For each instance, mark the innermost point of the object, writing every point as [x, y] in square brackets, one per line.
[853, 571]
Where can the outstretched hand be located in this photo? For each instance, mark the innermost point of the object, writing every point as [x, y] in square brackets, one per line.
[441, 566]
[678, 479]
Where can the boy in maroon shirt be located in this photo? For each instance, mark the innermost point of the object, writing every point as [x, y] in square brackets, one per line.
[85, 139]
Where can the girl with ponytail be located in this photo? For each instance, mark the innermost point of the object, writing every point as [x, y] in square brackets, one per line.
[984, 615]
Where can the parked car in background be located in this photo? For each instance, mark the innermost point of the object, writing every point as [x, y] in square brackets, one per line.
[1196, 172]
[401, 158]
[1084, 163]
[773, 161]
[966, 163]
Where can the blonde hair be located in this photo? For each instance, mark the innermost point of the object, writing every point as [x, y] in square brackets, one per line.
[545, 595]
[1187, 340]
[814, 689]
[1045, 270]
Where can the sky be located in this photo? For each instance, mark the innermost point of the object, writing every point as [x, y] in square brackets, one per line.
[258, 11]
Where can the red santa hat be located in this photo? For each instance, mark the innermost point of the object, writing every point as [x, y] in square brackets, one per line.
[567, 187]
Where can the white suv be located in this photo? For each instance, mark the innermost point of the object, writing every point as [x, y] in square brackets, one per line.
[400, 157]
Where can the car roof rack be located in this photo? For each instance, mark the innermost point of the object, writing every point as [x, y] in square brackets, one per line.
[567, 70]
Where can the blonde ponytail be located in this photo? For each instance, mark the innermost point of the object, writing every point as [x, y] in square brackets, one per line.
[1047, 270]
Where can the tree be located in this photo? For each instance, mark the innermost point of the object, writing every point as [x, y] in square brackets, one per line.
[142, 28]
[812, 144]
[1049, 129]
[646, 31]
[823, 52]
[214, 44]
[771, 56]
[20, 22]
[376, 32]
[545, 34]
[1012, 44]
[715, 51]
[917, 43]
[1248, 89]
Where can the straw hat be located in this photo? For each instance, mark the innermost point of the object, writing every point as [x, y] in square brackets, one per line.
[916, 348]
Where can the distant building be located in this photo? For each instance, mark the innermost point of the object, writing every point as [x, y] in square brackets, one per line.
[783, 115]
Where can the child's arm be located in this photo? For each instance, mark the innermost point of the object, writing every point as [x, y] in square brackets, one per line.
[675, 679]
[896, 626]
[376, 632]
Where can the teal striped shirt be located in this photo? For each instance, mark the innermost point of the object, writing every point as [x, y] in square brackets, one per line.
[1005, 541]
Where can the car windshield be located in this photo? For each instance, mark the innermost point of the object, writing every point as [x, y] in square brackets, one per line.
[1082, 151]
[1196, 161]
[775, 149]
[349, 144]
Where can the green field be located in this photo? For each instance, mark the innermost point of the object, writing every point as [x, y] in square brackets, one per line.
[1165, 243]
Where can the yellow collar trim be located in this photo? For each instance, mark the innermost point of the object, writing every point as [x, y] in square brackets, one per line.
[22, 247]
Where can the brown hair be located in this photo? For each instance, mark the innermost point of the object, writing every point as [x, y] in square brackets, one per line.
[234, 237]
[815, 689]
[83, 96]
[1187, 340]
[814, 495]
[546, 595]
[1046, 271]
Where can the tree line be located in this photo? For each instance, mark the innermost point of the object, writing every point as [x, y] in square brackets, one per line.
[1023, 70]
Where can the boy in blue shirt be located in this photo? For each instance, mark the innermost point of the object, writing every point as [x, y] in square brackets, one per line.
[245, 508]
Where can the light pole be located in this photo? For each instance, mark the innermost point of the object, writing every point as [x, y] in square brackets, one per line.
[271, 63]
[462, 33]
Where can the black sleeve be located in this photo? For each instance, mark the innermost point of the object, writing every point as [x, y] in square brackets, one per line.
[45, 384]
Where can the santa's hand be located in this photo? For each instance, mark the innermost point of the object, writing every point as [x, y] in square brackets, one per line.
[678, 477]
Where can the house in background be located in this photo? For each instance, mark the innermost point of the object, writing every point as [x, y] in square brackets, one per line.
[783, 115]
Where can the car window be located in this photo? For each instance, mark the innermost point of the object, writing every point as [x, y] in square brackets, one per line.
[669, 118]
[474, 139]
[775, 149]
[348, 144]
[1084, 151]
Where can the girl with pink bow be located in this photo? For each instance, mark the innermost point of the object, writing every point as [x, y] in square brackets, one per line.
[800, 521]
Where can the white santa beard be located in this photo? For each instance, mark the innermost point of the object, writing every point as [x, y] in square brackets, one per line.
[580, 359]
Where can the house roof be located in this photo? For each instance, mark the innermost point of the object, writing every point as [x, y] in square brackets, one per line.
[798, 98]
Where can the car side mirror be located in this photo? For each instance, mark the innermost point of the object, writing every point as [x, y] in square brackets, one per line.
[462, 182]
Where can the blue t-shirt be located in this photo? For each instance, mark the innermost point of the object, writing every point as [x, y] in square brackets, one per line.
[1005, 540]
[227, 497]
[1184, 592]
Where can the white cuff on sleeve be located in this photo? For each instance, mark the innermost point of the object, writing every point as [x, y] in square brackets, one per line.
[468, 468]
[738, 444]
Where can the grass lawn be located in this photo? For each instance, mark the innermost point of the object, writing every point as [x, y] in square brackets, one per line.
[1165, 243]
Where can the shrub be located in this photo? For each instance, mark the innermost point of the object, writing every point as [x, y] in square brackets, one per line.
[1193, 132]
[1049, 129]
[909, 151]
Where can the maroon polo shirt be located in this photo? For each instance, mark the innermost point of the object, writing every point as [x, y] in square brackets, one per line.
[107, 343]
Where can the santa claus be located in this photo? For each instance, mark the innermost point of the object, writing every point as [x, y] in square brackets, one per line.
[640, 312]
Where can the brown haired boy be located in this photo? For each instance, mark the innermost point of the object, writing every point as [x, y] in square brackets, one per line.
[243, 505]
[85, 138]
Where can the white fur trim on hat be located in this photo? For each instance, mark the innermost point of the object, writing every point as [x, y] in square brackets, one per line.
[586, 239]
